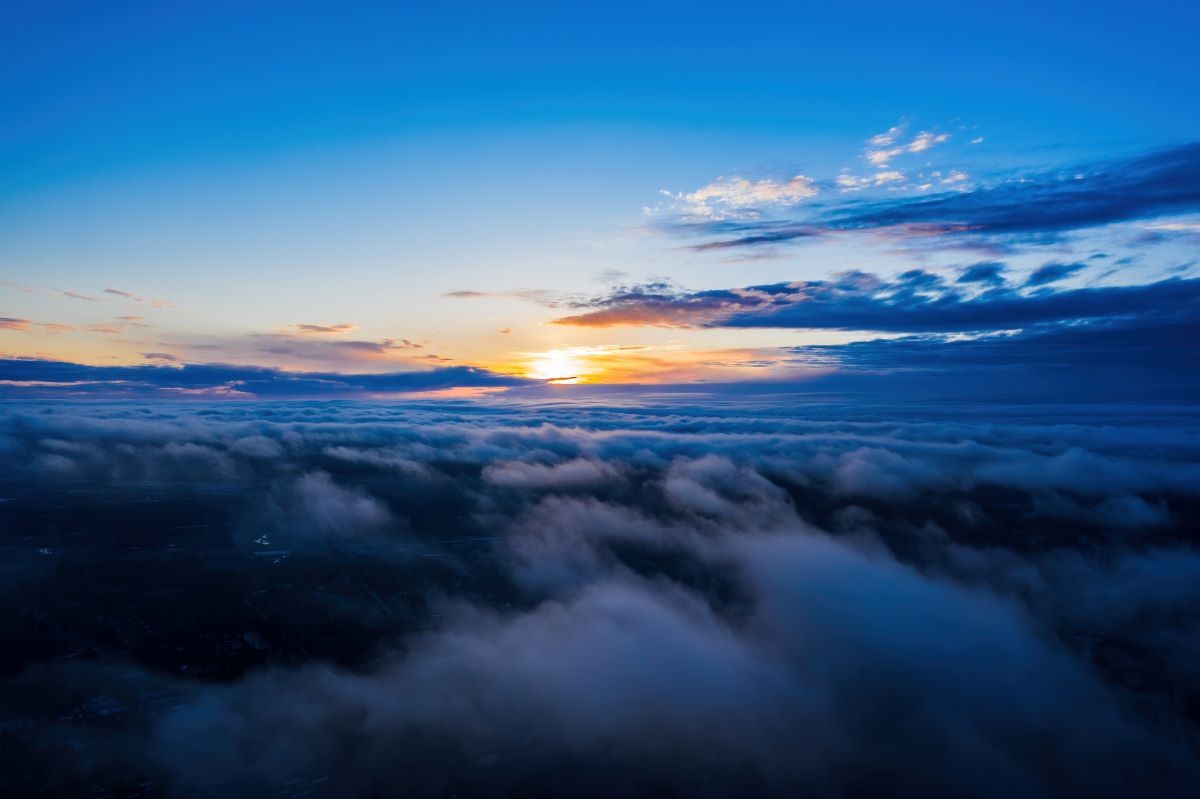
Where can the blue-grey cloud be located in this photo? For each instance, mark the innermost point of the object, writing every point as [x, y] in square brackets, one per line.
[1156, 183]
[32, 376]
[711, 599]
[915, 301]
[1111, 360]
[990, 273]
[1030, 207]
[1053, 272]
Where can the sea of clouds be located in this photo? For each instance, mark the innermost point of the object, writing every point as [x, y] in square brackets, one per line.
[633, 600]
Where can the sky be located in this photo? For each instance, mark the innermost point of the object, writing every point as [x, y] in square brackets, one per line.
[599, 399]
[318, 199]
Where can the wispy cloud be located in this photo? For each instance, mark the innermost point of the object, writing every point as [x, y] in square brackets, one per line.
[309, 329]
[152, 302]
[303, 348]
[30, 326]
[540, 296]
[74, 295]
[467, 294]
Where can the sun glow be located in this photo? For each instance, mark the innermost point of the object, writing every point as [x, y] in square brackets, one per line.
[668, 363]
[567, 365]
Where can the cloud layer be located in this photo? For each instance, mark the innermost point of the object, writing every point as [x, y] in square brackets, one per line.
[913, 301]
[1023, 207]
[354, 599]
[37, 377]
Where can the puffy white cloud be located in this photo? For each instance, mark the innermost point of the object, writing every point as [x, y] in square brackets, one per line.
[738, 194]
[883, 148]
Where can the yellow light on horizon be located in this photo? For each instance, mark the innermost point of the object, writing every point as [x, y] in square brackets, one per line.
[669, 363]
[560, 366]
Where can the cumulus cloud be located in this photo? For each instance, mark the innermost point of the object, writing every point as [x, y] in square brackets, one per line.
[734, 194]
[884, 147]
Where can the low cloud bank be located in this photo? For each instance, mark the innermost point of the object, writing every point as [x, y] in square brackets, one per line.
[588, 600]
[36, 377]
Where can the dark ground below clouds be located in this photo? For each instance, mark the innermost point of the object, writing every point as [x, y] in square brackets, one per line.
[163, 567]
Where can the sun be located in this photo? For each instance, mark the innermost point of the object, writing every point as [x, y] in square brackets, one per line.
[560, 366]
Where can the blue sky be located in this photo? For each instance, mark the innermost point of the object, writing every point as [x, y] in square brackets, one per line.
[348, 188]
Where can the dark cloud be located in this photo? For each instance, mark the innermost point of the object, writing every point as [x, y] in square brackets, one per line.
[990, 273]
[31, 376]
[1123, 358]
[911, 302]
[759, 233]
[1053, 272]
[495, 599]
[665, 691]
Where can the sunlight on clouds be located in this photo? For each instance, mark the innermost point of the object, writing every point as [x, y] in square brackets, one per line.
[1176, 227]
[735, 195]
[655, 364]
[883, 148]
[740, 192]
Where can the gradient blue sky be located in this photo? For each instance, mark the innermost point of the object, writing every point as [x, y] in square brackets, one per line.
[215, 176]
